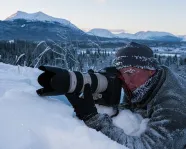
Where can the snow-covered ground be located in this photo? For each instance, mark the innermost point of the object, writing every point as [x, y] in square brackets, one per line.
[28, 121]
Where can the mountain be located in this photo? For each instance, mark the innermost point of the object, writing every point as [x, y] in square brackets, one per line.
[142, 35]
[155, 35]
[151, 34]
[101, 33]
[39, 16]
[38, 30]
[38, 26]
[125, 35]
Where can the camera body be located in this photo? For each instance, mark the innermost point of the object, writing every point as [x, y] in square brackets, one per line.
[105, 84]
[111, 96]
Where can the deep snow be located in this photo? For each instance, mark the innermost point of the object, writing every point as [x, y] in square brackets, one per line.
[28, 121]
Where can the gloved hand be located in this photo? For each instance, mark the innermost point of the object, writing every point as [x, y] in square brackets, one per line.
[84, 107]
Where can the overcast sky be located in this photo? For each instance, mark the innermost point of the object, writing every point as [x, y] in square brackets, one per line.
[129, 15]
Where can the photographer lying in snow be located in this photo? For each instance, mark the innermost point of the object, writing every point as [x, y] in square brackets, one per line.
[151, 90]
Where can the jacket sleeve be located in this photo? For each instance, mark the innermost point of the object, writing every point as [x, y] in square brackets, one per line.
[163, 129]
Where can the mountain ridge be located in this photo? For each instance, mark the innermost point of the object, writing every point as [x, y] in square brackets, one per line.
[38, 30]
[42, 22]
[38, 16]
[143, 35]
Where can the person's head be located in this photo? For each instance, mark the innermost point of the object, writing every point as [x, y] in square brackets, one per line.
[136, 64]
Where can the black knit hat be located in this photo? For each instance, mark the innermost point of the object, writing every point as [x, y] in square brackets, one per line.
[135, 55]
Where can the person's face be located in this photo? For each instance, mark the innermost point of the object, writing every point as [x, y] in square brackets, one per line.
[134, 77]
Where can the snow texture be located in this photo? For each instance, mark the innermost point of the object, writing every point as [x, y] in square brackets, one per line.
[32, 122]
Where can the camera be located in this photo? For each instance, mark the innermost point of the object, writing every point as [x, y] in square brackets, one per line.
[105, 84]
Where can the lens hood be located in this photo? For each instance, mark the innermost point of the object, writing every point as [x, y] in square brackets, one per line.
[54, 80]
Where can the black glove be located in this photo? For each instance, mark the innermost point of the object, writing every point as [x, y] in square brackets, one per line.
[84, 107]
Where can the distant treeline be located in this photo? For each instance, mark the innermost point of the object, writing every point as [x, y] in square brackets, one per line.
[21, 52]
[65, 55]
[69, 55]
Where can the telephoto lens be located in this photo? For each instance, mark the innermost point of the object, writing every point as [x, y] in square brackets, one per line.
[58, 81]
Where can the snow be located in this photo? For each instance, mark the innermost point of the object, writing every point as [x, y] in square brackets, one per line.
[11, 41]
[126, 35]
[101, 33]
[184, 38]
[126, 118]
[151, 34]
[39, 16]
[23, 25]
[148, 35]
[117, 31]
[29, 121]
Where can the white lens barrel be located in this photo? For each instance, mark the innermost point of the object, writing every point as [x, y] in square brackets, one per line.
[73, 82]
[102, 83]
[86, 80]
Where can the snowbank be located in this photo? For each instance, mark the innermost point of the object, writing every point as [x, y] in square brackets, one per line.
[28, 121]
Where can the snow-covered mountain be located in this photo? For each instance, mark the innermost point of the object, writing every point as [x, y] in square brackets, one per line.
[148, 35]
[142, 35]
[38, 26]
[14, 27]
[38, 16]
[101, 33]
[151, 34]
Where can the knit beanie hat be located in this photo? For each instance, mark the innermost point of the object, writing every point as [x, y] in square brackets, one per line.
[135, 55]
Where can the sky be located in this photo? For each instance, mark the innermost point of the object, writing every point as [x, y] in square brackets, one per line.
[129, 15]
